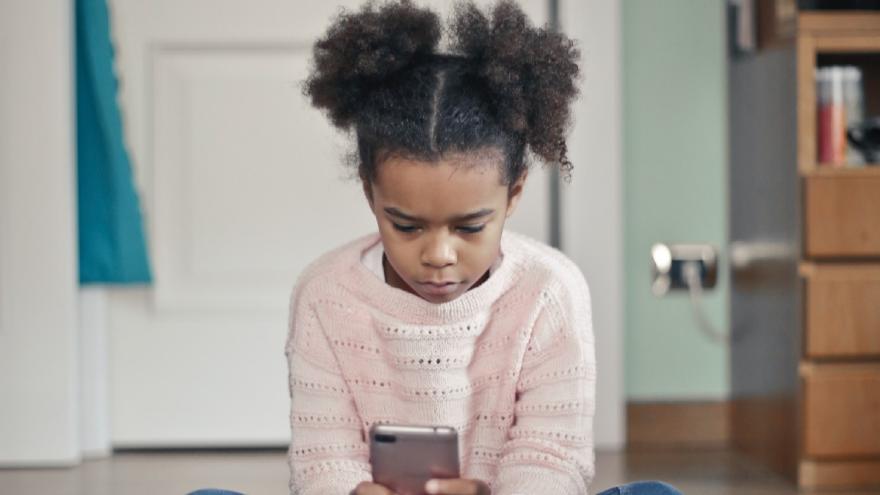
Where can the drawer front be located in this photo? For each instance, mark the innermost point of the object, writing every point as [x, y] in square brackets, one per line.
[842, 216]
[838, 474]
[841, 410]
[843, 310]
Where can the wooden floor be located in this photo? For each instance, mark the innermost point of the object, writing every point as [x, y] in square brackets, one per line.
[265, 472]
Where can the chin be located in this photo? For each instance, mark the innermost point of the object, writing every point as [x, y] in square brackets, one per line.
[441, 299]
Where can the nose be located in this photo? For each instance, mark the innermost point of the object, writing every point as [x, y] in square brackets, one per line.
[439, 252]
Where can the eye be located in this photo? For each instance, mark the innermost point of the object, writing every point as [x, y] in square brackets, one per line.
[405, 228]
[471, 229]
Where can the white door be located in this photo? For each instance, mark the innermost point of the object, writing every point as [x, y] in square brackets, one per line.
[242, 185]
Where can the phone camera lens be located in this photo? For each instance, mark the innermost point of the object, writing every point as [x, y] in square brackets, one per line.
[382, 438]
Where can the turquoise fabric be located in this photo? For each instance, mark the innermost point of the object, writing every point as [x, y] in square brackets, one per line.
[112, 247]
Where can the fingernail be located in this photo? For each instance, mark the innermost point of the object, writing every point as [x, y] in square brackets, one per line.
[432, 486]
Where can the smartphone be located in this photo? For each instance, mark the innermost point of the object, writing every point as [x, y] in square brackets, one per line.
[405, 457]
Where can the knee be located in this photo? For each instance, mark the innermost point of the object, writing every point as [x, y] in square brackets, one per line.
[649, 488]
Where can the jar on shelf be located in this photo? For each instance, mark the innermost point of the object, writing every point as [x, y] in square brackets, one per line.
[840, 106]
[831, 113]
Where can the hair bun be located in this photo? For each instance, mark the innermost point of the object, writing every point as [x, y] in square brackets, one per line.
[362, 49]
[531, 73]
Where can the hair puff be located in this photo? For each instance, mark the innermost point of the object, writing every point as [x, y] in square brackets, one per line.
[531, 73]
[363, 49]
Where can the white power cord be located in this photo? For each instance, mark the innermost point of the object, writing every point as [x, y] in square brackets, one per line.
[690, 270]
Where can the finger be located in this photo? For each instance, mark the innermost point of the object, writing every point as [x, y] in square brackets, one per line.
[367, 488]
[456, 486]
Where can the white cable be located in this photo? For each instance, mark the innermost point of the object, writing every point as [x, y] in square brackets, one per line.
[690, 270]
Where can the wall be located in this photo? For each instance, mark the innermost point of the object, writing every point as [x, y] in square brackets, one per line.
[674, 155]
[38, 283]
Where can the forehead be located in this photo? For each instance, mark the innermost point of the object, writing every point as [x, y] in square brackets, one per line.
[453, 185]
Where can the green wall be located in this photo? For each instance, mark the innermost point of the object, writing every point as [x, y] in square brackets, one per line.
[675, 155]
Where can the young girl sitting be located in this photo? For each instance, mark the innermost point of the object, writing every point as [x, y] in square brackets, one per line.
[443, 317]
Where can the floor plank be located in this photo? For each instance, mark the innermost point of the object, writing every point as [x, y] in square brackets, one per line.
[265, 472]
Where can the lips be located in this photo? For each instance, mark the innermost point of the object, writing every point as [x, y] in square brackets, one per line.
[439, 289]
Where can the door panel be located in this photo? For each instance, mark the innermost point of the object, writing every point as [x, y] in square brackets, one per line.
[247, 188]
[242, 184]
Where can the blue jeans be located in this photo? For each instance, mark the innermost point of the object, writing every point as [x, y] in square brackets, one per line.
[213, 491]
[640, 488]
[643, 488]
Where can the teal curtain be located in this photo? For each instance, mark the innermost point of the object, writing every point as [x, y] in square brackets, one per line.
[112, 248]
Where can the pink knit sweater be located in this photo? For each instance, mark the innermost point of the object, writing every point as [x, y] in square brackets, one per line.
[510, 364]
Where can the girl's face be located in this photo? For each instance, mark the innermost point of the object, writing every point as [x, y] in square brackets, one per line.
[441, 222]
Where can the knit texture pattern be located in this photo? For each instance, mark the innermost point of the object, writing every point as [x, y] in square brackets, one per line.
[510, 364]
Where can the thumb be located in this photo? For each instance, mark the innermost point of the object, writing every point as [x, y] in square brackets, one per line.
[457, 486]
[367, 488]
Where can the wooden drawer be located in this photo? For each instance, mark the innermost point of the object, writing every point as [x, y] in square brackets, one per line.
[838, 474]
[842, 308]
[842, 214]
[841, 410]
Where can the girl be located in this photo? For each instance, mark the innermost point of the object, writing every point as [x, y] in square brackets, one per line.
[443, 317]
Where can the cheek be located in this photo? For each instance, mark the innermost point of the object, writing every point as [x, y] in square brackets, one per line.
[398, 253]
[491, 250]
[482, 251]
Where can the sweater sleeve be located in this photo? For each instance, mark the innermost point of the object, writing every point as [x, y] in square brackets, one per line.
[550, 445]
[328, 454]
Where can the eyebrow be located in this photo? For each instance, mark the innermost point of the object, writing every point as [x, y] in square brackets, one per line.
[461, 218]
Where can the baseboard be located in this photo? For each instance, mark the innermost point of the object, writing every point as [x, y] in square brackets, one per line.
[702, 424]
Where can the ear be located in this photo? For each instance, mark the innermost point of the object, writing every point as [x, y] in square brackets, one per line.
[368, 192]
[516, 193]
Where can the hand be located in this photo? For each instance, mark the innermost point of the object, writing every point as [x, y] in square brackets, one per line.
[367, 488]
[457, 486]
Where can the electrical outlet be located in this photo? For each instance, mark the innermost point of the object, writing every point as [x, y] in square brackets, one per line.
[670, 264]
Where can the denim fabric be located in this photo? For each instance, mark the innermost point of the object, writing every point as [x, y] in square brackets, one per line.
[643, 488]
[640, 488]
[213, 491]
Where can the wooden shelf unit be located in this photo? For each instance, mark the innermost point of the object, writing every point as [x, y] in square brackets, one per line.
[839, 405]
[868, 171]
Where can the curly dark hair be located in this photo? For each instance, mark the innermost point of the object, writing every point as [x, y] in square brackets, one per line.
[503, 85]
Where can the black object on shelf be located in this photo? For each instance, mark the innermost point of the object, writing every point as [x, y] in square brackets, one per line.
[866, 138]
[839, 4]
